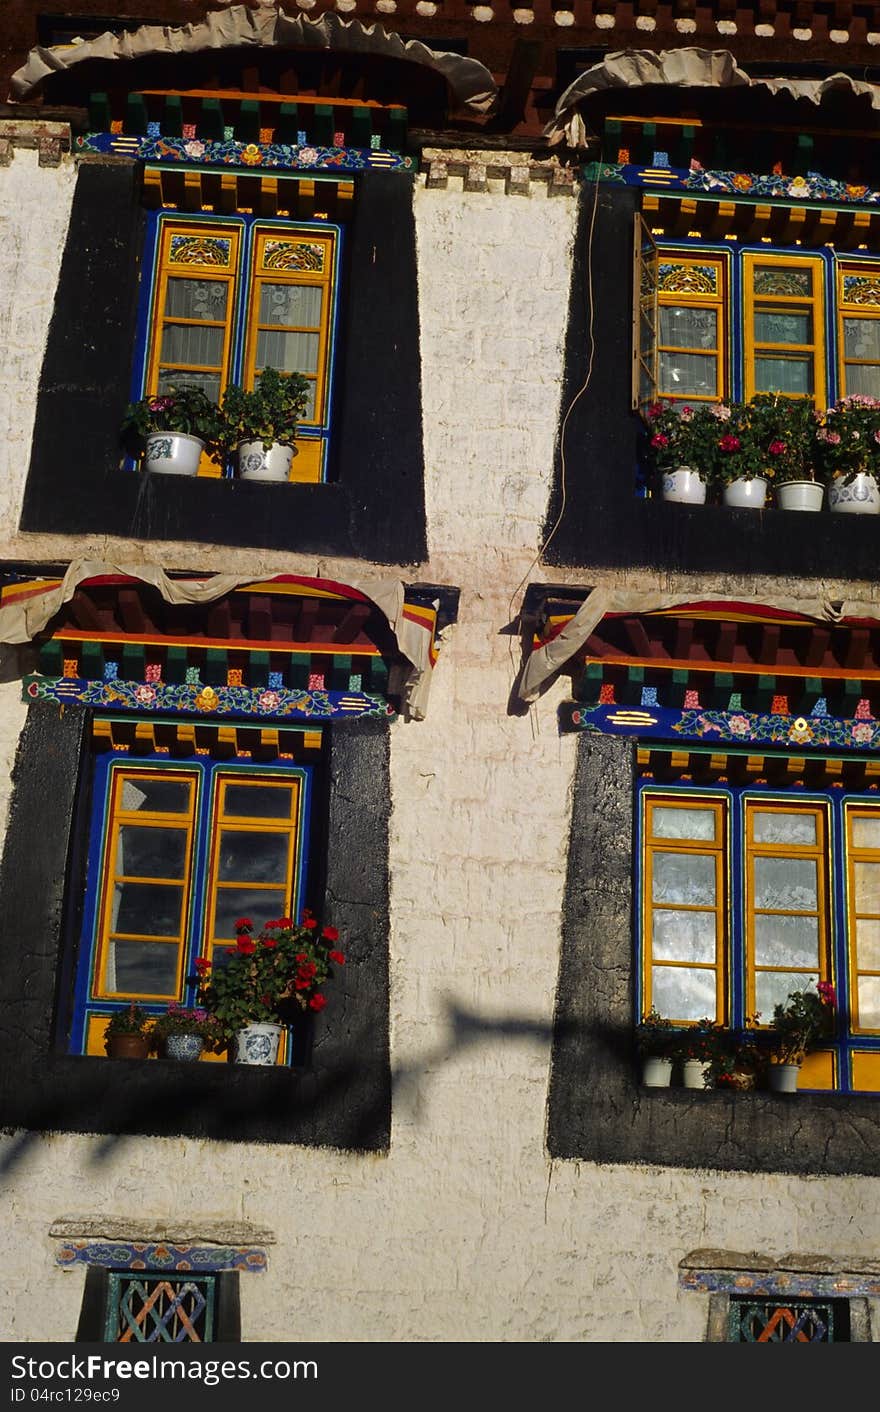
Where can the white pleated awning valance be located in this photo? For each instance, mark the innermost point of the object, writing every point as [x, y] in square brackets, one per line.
[682, 68]
[470, 83]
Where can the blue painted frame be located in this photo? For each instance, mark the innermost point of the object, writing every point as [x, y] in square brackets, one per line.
[736, 797]
[249, 225]
[202, 769]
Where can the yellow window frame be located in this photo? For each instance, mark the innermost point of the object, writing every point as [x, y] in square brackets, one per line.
[819, 851]
[262, 273]
[856, 855]
[118, 818]
[653, 843]
[693, 299]
[812, 303]
[222, 818]
[848, 308]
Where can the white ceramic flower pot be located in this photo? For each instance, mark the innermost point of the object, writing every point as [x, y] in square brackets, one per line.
[184, 1046]
[257, 1044]
[656, 1072]
[685, 486]
[256, 463]
[860, 497]
[173, 453]
[746, 493]
[695, 1074]
[783, 1078]
[800, 495]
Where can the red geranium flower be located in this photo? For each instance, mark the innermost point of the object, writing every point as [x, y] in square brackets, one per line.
[317, 1002]
[658, 439]
[270, 942]
[244, 924]
[285, 922]
[202, 964]
[301, 984]
[330, 934]
[309, 923]
[307, 970]
[777, 448]
[338, 957]
[246, 946]
[301, 956]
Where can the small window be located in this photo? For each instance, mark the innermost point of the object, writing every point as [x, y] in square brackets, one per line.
[167, 1306]
[858, 303]
[691, 336]
[228, 298]
[781, 1320]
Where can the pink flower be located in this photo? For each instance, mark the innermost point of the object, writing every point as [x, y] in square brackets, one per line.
[730, 442]
[686, 414]
[861, 731]
[777, 448]
[740, 725]
[658, 439]
[721, 411]
[655, 410]
[826, 992]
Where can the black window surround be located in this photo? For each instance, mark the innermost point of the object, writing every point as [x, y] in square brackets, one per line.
[598, 1110]
[373, 507]
[342, 1098]
[96, 1293]
[605, 523]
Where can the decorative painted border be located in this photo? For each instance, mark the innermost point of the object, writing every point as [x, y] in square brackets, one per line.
[188, 150]
[157, 1255]
[776, 1282]
[728, 727]
[812, 187]
[195, 699]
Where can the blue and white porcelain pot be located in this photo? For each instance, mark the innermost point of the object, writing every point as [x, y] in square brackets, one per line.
[861, 496]
[184, 1046]
[257, 1044]
[173, 453]
[256, 463]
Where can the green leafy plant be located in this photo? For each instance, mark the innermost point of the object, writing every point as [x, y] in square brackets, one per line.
[680, 435]
[801, 1024]
[703, 1041]
[182, 1019]
[784, 429]
[182, 408]
[847, 438]
[133, 1020]
[268, 977]
[739, 1060]
[655, 1036]
[270, 412]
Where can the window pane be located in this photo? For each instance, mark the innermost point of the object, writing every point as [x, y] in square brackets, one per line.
[862, 380]
[774, 279]
[772, 826]
[786, 884]
[196, 299]
[157, 796]
[261, 904]
[689, 373]
[683, 823]
[689, 328]
[784, 375]
[145, 852]
[683, 936]
[683, 877]
[683, 994]
[869, 1002]
[861, 339]
[291, 352]
[867, 878]
[865, 830]
[253, 857]
[208, 382]
[778, 327]
[142, 968]
[774, 987]
[868, 944]
[786, 941]
[147, 909]
[297, 305]
[249, 801]
[188, 344]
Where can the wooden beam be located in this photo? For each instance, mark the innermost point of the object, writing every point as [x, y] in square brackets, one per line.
[859, 641]
[259, 618]
[349, 627]
[817, 647]
[85, 613]
[639, 640]
[131, 610]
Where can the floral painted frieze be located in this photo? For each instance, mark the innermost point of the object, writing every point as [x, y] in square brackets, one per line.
[243, 154]
[161, 1255]
[725, 727]
[812, 187]
[197, 699]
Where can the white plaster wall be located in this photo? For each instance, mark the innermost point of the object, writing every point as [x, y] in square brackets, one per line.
[465, 1230]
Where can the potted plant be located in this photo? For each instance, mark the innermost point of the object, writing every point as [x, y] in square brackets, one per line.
[696, 1048]
[738, 1060]
[848, 447]
[784, 428]
[800, 1025]
[739, 468]
[260, 425]
[680, 445]
[656, 1039]
[172, 429]
[185, 1032]
[267, 980]
[128, 1033]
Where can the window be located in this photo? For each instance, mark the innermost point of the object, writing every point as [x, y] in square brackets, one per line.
[746, 895]
[780, 1320]
[732, 321]
[228, 298]
[178, 851]
[143, 1305]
